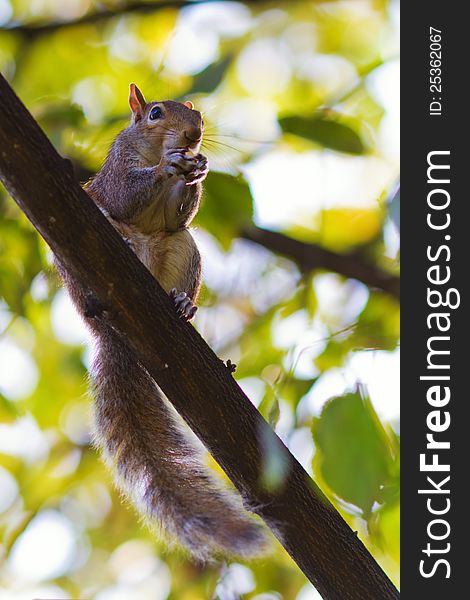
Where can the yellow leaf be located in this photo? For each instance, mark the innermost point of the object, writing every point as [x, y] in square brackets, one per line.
[341, 228]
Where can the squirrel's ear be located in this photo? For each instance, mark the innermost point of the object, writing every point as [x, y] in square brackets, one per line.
[136, 102]
[189, 104]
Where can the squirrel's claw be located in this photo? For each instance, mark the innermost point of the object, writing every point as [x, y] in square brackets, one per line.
[184, 305]
[200, 171]
[196, 176]
[177, 162]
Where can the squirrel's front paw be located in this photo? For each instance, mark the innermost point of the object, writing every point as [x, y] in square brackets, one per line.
[184, 305]
[199, 170]
[178, 162]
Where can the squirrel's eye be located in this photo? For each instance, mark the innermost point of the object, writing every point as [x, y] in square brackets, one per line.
[155, 113]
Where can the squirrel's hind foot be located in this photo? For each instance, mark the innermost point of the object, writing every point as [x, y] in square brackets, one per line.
[184, 305]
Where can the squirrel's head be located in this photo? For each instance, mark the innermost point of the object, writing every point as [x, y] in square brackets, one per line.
[167, 124]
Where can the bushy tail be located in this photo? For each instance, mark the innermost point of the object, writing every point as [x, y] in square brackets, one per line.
[158, 465]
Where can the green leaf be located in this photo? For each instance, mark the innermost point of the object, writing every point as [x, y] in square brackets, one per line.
[60, 114]
[269, 406]
[207, 80]
[327, 133]
[354, 454]
[227, 206]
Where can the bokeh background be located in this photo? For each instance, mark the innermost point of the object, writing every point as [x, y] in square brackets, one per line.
[300, 100]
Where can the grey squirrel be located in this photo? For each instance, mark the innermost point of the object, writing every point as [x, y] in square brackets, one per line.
[149, 188]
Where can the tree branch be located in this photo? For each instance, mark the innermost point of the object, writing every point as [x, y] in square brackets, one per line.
[198, 384]
[312, 256]
[34, 30]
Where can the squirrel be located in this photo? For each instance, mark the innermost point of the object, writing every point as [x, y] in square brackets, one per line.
[149, 188]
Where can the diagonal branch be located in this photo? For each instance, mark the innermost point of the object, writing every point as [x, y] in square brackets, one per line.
[34, 30]
[199, 385]
[312, 256]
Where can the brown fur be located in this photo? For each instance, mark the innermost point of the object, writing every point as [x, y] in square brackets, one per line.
[157, 464]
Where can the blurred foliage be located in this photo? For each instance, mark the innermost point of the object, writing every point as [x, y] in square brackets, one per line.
[227, 207]
[274, 79]
[326, 132]
[340, 459]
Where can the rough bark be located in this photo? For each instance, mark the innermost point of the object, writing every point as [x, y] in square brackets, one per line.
[198, 384]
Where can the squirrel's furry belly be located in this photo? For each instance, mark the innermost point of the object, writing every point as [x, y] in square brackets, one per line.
[166, 254]
[147, 246]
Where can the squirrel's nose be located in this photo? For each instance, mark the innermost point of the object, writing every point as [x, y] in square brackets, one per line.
[193, 135]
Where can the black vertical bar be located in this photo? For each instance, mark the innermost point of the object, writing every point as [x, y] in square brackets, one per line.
[434, 119]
